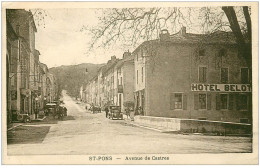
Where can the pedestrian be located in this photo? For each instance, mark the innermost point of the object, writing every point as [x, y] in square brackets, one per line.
[65, 111]
[106, 110]
[127, 112]
[60, 113]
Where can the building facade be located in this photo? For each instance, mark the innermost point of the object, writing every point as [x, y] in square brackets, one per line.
[26, 77]
[193, 76]
[125, 80]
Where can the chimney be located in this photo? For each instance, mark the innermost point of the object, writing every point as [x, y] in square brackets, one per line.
[183, 31]
[113, 58]
[126, 54]
[164, 36]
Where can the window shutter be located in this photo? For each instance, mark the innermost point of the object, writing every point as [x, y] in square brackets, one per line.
[184, 102]
[196, 101]
[172, 101]
[217, 101]
[231, 101]
[208, 101]
[200, 74]
[250, 103]
[238, 101]
[204, 74]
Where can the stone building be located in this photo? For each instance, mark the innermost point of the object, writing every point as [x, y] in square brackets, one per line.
[11, 71]
[193, 76]
[23, 23]
[125, 80]
[29, 82]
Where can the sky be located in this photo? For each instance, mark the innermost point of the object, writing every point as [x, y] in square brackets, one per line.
[60, 41]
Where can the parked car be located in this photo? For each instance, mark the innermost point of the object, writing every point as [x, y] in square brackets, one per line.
[50, 108]
[115, 113]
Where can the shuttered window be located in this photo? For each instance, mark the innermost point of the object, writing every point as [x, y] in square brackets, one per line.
[244, 75]
[230, 101]
[202, 101]
[202, 74]
[208, 101]
[178, 101]
[137, 76]
[202, 53]
[224, 101]
[243, 102]
[224, 75]
[142, 74]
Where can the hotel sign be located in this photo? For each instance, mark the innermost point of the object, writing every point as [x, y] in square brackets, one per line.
[221, 87]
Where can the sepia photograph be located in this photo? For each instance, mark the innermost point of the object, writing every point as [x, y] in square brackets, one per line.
[130, 83]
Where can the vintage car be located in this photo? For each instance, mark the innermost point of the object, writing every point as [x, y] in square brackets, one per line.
[115, 112]
[50, 108]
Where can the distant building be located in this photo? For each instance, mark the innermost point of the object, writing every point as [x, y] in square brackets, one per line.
[193, 76]
[125, 80]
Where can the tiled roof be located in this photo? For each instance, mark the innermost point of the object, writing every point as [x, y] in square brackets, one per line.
[216, 37]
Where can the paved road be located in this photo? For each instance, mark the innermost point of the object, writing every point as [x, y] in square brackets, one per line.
[94, 134]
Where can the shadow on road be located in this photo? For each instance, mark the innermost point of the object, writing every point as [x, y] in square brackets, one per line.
[68, 118]
[27, 134]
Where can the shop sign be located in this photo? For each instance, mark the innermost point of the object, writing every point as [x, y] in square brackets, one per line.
[221, 87]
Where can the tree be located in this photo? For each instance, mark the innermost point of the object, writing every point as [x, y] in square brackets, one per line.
[134, 25]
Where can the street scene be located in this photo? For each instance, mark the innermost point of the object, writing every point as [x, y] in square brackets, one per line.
[140, 80]
[89, 133]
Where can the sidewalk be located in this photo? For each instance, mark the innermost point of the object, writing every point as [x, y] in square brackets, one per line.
[133, 123]
[169, 125]
[13, 125]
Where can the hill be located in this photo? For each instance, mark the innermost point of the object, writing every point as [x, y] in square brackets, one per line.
[71, 77]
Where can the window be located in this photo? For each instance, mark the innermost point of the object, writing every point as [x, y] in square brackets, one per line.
[137, 76]
[202, 101]
[243, 102]
[224, 75]
[18, 29]
[244, 120]
[202, 53]
[12, 81]
[178, 101]
[224, 101]
[121, 79]
[202, 74]
[222, 53]
[244, 75]
[142, 74]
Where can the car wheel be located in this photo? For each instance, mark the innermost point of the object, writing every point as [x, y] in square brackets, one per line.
[27, 120]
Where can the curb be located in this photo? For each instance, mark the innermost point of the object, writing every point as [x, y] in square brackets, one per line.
[146, 127]
[14, 127]
[40, 119]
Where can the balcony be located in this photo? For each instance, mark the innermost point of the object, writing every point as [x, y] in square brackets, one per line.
[120, 89]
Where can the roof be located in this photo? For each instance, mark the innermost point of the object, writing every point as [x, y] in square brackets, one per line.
[10, 31]
[110, 66]
[33, 22]
[121, 62]
[218, 37]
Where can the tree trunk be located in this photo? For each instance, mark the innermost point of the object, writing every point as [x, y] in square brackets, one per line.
[243, 46]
